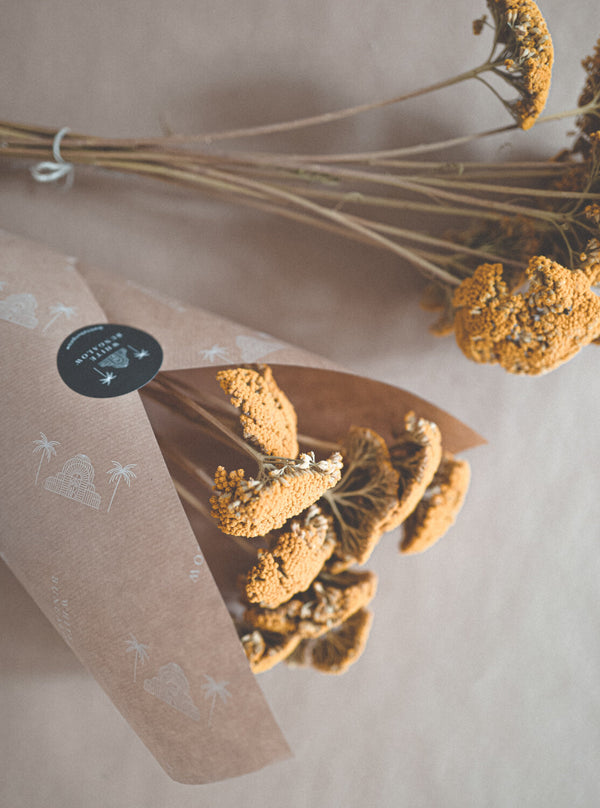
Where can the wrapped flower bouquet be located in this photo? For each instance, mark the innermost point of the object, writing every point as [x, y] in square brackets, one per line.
[187, 515]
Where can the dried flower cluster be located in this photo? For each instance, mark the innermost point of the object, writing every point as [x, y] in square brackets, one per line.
[502, 213]
[527, 55]
[532, 331]
[302, 598]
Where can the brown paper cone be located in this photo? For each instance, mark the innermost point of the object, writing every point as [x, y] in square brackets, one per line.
[92, 525]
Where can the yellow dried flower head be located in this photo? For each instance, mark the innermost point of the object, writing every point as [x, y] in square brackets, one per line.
[265, 650]
[267, 417]
[335, 651]
[416, 454]
[592, 213]
[590, 122]
[439, 507]
[293, 562]
[329, 601]
[530, 332]
[591, 261]
[527, 56]
[255, 507]
[362, 500]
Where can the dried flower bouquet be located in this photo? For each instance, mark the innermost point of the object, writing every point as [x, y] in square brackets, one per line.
[512, 278]
[307, 524]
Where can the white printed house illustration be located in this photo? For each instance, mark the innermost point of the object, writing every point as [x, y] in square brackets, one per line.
[116, 359]
[76, 482]
[171, 686]
[20, 309]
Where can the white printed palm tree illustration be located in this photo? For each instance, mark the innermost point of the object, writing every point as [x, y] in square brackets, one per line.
[107, 377]
[141, 653]
[212, 689]
[118, 473]
[46, 447]
[56, 311]
[139, 353]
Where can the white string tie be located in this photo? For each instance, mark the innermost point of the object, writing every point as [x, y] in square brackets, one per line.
[53, 170]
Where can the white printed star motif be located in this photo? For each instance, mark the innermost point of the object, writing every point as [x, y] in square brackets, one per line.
[106, 377]
[214, 353]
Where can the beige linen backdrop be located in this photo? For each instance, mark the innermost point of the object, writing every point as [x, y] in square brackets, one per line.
[479, 685]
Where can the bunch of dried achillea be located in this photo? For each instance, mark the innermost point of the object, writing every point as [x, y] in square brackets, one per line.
[533, 225]
[316, 521]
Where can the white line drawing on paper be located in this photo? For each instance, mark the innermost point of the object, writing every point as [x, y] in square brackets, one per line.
[212, 689]
[119, 473]
[106, 377]
[61, 611]
[20, 309]
[141, 653]
[195, 572]
[76, 482]
[58, 310]
[254, 348]
[116, 359]
[171, 686]
[214, 352]
[139, 353]
[46, 447]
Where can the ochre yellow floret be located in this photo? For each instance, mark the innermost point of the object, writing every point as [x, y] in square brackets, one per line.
[530, 332]
[293, 562]
[265, 650]
[439, 507]
[267, 417]
[528, 55]
[363, 499]
[590, 122]
[335, 651]
[329, 601]
[416, 454]
[249, 507]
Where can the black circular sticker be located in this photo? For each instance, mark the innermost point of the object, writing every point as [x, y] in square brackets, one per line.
[106, 360]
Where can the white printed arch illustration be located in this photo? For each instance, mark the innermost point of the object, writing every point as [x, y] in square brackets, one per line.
[76, 482]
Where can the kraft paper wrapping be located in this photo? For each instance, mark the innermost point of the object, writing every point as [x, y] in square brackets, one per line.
[113, 561]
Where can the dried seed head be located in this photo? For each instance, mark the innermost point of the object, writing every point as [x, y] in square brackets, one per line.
[527, 58]
[363, 499]
[329, 601]
[590, 122]
[249, 507]
[293, 562]
[439, 507]
[337, 650]
[267, 417]
[265, 650]
[531, 332]
[416, 454]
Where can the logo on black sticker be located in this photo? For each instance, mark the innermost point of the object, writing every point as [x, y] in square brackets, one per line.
[106, 360]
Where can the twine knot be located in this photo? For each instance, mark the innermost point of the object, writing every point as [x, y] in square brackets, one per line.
[53, 170]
